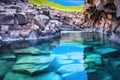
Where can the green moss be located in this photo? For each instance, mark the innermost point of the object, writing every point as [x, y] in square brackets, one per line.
[57, 6]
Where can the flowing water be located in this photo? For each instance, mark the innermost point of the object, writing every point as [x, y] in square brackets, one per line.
[73, 56]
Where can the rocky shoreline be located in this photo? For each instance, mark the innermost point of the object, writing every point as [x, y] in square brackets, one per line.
[25, 21]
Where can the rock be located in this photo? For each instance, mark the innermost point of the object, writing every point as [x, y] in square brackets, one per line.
[9, 57]
[41, 20]
[105, 50]
[21, 17]
[75, 75]
[65, 62]
[5, 66]
[99, 6]
[90, 71]
[71, 68]
[6, 19]
[32, 65]
[33, 35]
[76, 55]
[31, 50]
[60, 57]
[115, 63]
[93, 58]
[44, 76]
[115, 38]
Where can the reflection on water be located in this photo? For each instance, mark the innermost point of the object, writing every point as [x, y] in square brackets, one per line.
[75, 56]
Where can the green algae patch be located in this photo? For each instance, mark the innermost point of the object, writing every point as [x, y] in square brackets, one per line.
[57, 6]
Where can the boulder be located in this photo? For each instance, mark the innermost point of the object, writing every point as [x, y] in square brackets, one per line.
[21, 17]
[6, 19]
[99, 6]
[115, 38]
[44, 76]
[32, 65]
[105, 2]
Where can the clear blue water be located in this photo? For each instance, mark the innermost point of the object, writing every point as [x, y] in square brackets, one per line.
[69, 2]
[70, 62]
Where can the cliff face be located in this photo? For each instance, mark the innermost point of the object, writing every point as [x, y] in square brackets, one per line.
[103, 16]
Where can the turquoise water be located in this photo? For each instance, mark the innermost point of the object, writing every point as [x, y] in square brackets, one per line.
[69, 2]
[73, 56]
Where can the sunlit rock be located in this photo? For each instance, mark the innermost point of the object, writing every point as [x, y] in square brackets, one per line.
[44, 76]
[61, 57]
[32, 65]
[75, 75]
[64, 62]
[70, 68]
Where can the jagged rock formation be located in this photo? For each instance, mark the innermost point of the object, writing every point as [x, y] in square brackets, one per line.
[103, 16]
[24, 21]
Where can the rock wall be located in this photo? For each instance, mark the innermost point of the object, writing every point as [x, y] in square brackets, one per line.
[24, 21]
[103, 16]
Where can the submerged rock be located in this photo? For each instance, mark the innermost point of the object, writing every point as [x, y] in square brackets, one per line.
[89, 71]
[44, 76]
[31, 50]
[105, 50]
[64, 62]
[70, 68]
[75, 75]
[32, 65]
[96, 58]
[9, 57]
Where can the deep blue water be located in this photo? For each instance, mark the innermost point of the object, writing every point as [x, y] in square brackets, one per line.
[69, 2]
[70, 52]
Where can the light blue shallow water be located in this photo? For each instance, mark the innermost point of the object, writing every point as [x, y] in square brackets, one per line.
[69, 2]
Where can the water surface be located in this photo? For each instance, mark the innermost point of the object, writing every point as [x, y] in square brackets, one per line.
[73, 56]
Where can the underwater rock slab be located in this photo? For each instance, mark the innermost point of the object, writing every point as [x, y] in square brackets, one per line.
[30, 50]
[64, 62]
[70, 68]
[44, 76]
[5, 66]
[89, 71]
[105, 50]
[8, 57]
[75, 75]
[96, 58]
[115, 63]
[32, 65]
[59, 56]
